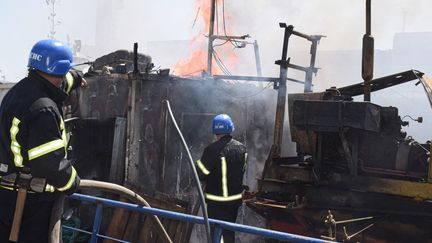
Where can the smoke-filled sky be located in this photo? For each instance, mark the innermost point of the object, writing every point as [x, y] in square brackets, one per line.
[104, 26]
[116, 24]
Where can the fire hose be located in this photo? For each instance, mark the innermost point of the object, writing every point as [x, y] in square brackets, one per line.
[200, 191]
[55, 224]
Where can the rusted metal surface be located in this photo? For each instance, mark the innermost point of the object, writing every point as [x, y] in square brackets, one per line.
[348, 161]
[303, 138]
[382, 82]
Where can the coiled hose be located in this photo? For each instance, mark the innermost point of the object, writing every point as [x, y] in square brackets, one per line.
[200, 192]
[55, 224]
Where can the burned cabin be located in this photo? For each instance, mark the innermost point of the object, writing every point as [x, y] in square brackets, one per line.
[121, 132]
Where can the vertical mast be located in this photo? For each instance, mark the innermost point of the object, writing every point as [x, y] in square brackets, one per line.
[210, 38]
[367, 54]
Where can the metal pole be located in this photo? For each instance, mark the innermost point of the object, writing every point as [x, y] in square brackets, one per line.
[257, 59]
[97, 223]
[309, 72]
[135, 61]
[367, 54]
[430, 165]
[368, 17]
[281, 98]
[210, 38]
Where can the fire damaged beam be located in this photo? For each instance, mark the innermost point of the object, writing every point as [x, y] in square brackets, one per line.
[382, 83]
[230, 37]
[308, 37]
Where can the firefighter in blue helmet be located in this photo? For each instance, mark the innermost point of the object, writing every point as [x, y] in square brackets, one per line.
[33, 142]
[222, 166]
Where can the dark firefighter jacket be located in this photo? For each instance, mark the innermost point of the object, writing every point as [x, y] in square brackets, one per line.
[222, 166]
[32, 132]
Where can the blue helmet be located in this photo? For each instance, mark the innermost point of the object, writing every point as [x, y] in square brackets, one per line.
[222, 124]
[51, 57]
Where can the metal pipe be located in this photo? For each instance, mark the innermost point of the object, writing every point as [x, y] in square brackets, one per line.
[430, 165]
[135, 70]
[353, 220]
[199, 220]
[210, 36]
[349, 237]
[98, 235]
[282, 90]
[310, 72]
[280, 110]
[257, 59]
[367, 54]
[304, 69]
[368, 17]
[97, 223]
[231, 37]
[307, 37]
[287, 34]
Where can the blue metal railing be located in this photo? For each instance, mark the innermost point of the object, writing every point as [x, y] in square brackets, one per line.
[101, 202]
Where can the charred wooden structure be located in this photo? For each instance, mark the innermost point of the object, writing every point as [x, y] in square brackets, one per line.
[121, 132]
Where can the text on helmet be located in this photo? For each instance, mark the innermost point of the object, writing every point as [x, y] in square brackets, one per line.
[35, 56]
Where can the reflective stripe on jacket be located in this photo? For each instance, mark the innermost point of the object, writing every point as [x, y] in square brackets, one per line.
[222, 166]
[32, 132]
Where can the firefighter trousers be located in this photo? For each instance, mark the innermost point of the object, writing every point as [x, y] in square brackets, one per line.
[36, 216]
[226, 211]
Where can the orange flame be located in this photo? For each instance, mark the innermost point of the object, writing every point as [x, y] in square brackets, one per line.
[196, 63]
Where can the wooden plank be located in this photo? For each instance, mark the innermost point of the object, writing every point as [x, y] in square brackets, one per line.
[118, 151]
[171, 227]
[133, 225]
[148, 233]
[117, 226]
[174, 228]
